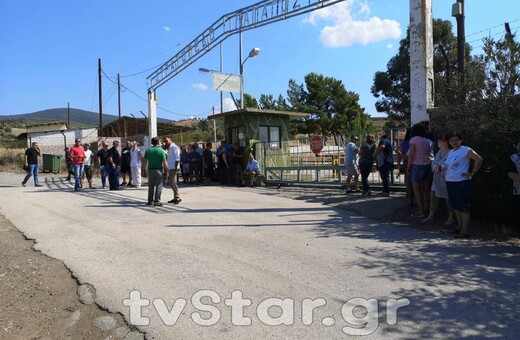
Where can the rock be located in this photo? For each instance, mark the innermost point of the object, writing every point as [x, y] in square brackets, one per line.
[105, 323]
[120, 332]
[87, 294]
[134, 336]
[74, 318]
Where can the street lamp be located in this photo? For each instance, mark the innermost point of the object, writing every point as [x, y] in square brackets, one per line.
[254, 52]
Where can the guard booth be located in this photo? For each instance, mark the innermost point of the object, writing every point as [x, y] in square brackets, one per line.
[254, 127]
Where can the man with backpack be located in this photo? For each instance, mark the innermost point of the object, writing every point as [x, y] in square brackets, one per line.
[385, 162]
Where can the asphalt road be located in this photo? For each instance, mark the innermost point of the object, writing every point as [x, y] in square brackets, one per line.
[241, 263]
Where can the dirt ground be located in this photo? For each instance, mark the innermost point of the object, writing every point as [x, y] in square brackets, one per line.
[39, 297]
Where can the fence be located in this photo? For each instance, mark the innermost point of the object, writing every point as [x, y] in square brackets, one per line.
[293, 162]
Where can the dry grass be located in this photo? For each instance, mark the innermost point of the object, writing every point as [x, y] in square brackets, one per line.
[11, 159]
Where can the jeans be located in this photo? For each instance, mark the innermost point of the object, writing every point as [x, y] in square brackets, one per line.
[33, 170]
[104, 174]
[155, 185]
[384, 172]
[365, 169]
[78, 174]
[113, 177]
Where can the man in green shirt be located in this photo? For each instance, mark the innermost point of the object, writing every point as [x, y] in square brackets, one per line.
[157, 167]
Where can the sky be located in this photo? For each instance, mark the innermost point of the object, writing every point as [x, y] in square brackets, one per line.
[49, 50]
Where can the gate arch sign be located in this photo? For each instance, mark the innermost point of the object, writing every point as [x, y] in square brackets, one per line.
[269, 11]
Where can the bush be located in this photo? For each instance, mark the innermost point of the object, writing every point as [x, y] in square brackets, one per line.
[491, 128]
[11, 159]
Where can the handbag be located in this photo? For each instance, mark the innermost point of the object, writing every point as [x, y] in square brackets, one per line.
[25, 167]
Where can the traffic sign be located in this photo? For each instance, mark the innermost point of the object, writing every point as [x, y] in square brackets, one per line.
[316, 144]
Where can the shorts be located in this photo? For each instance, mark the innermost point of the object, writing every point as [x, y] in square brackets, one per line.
[421, 172]
[459, 193]
[351, 170]
[125, 168]
[88, 172]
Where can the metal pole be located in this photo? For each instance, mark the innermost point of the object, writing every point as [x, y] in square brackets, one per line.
[215, 125]
[221, 70]
[241, 72]
[119, 105]
[100, 130]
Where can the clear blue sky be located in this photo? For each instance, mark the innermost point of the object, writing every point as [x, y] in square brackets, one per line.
[50, 49]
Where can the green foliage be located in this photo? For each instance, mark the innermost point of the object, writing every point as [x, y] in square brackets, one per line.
[489, 122]
[250, 102]
[332, 108]
[392, 87]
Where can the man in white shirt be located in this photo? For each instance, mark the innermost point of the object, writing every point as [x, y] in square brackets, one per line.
[174, 159]
[88, 166]
[351, 164]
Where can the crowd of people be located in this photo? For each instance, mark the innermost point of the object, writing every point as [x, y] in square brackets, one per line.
[436, 169]
[165, 162]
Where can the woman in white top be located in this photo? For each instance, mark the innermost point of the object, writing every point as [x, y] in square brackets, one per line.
[135, 164]
[439, 191]
[458, 181]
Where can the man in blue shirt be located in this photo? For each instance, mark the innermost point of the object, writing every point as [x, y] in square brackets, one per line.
[252, 170]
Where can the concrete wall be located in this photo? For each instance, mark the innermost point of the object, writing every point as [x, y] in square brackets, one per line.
[54, 142]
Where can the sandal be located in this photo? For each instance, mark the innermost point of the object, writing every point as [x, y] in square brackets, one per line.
[461, 235]
[418, 214]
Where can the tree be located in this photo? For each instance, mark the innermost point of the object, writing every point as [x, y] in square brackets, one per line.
[249, 102]
[267, 102]
[333, 110]
[392, 87]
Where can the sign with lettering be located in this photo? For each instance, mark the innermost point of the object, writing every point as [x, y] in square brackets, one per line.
[253, 16]
[225, 82]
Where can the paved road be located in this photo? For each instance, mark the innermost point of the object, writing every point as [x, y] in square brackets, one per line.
[283, 256]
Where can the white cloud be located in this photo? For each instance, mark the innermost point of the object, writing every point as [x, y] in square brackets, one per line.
[166, 28]
[390, 46]
[345, 29]
[229, 105]
[200, 86]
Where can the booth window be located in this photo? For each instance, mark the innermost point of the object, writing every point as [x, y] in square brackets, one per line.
[270, 135]
[236, 134]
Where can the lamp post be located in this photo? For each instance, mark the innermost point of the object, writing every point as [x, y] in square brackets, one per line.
[253, 53]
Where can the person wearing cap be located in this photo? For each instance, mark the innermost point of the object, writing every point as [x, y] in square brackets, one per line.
[77, 154]
[88, 166]
[31, 162]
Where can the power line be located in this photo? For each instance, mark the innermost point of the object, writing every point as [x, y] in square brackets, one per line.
[490, 28]
[489, 36]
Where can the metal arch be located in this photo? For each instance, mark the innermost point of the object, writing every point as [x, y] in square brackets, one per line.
[260, 14]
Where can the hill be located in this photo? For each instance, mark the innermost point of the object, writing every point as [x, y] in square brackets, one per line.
[88, 118]
[60, 114]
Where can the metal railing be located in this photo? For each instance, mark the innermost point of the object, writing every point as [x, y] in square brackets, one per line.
[292, 162]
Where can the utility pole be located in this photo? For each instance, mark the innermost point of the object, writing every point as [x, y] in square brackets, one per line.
[215, 125]
[119, 105]
[458, 12]
[100, 129]
[68, 115]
